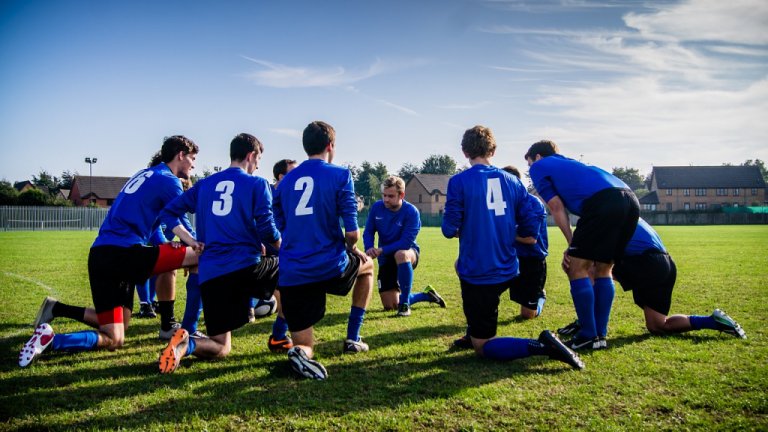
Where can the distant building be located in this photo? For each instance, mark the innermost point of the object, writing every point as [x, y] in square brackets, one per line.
[101, 191]
[428, 192]
[704, 187]
[23, 186]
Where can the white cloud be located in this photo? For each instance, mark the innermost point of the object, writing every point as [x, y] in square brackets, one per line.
[466, 106]
[398, 107]
[733, 21]
[293, 133]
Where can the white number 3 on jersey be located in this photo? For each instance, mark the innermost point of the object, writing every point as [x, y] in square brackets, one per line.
[223, 205]
[494, 199]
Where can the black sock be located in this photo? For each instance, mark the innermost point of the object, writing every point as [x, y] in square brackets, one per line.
[165, 309]
[66, 311]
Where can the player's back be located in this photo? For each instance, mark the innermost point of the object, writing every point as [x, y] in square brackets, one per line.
[133, 215]
[483, 202]
[309, 203]
[541, 248]
[234, 217]
[571, 180]
[645, 238]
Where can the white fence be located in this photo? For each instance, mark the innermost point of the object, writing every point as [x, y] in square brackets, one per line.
[21, 218]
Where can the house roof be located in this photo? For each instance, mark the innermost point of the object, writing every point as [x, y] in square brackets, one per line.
[102, 187]
[20, 185]
[433, 182]
[671, 177]
[651, 198]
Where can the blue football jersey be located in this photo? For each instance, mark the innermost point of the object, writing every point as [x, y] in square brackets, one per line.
[571, 180]
[541, 248]
[486, 207]
[133, 215]
[310, 203]
[233, 212]
[645, 238]
[397, 229]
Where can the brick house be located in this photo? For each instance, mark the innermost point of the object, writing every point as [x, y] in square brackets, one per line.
[703, 187]
[427, 192]
[102, 191]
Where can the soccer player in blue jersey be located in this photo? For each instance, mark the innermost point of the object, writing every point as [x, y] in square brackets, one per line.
[608, 212]
[317, 257]
[398, 223]
[487, 209]
[649, 272]
[233, 217]
[119, 259]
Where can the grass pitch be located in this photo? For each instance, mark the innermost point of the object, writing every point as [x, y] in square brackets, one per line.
[410, 379]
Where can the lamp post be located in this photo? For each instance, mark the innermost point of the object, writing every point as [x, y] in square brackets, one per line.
[90, 161]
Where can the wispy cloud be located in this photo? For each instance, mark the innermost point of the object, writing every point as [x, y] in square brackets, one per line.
[398, 107]
[465, 107]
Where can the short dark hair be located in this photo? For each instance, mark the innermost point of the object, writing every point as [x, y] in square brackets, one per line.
[544, 148]
[512, 170]
[243, 144]
[478, 142]
[317, 136]
[281, 167]
[172, 145]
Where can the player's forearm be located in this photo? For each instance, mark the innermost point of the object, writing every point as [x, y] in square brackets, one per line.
[351, 238]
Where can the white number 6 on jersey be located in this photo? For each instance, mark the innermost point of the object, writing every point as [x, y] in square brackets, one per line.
[307, 184]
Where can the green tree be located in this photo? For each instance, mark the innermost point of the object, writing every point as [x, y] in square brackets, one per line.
[34, 197]
[46, 181]
[368, 181]
[439, 164]
[630, 176]
[8, 194]
[407, 171]
[67, 179]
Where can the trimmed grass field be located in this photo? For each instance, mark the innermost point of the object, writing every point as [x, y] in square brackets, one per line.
[410, 379]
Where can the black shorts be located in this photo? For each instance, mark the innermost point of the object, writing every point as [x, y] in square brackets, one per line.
[387, 277]
[528, 287]
[114, 271]
[304, 305]
[607, 223]
[481, 307]
[227, 298]
[651, 278]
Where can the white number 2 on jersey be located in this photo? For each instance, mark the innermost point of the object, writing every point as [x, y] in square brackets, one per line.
[494, 199]
[307, 185]
[223, 205]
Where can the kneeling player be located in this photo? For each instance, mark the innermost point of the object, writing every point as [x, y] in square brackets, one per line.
[650, 273]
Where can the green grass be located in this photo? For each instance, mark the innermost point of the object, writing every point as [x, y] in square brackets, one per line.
[410, 379]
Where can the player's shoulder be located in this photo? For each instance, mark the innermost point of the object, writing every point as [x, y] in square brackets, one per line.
[410, 208]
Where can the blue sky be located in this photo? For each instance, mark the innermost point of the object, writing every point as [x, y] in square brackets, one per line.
[615, 83]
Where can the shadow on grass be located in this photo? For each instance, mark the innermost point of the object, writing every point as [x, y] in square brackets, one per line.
[357, 383]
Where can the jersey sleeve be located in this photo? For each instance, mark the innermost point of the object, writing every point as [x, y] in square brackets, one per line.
[277, 209]
[265, 222]
[454, 211]
[173, 212]
[527, 214]
[542, 182]
[369, 234]
[347, 204]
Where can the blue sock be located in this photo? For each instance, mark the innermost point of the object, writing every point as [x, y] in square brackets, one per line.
[419, 297]
[540, 305]
[279, 328]
[699, 322]
[405, 279]
[604, 292]
[152, 290]
[354, 323]
[143, 291]
[191, 347]
[76, 342]
[254, 302]
[194, 303]
[506, 348]
[584, 302]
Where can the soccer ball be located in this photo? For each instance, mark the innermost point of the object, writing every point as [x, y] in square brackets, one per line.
[265, 307]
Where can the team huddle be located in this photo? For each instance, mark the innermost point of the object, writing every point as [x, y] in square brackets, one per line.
[295, 242]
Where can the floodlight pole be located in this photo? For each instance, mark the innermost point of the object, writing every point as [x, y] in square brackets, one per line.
[90, 161]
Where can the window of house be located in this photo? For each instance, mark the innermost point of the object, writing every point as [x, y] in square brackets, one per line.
[687, 206]
[419, 197]
[721, 192]
[669, 206]
[736, 192]
[735, 204]
[687, 192]
[701, 192]
[437, 197]
[701, 206]
[669, 191]
[754, 191]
